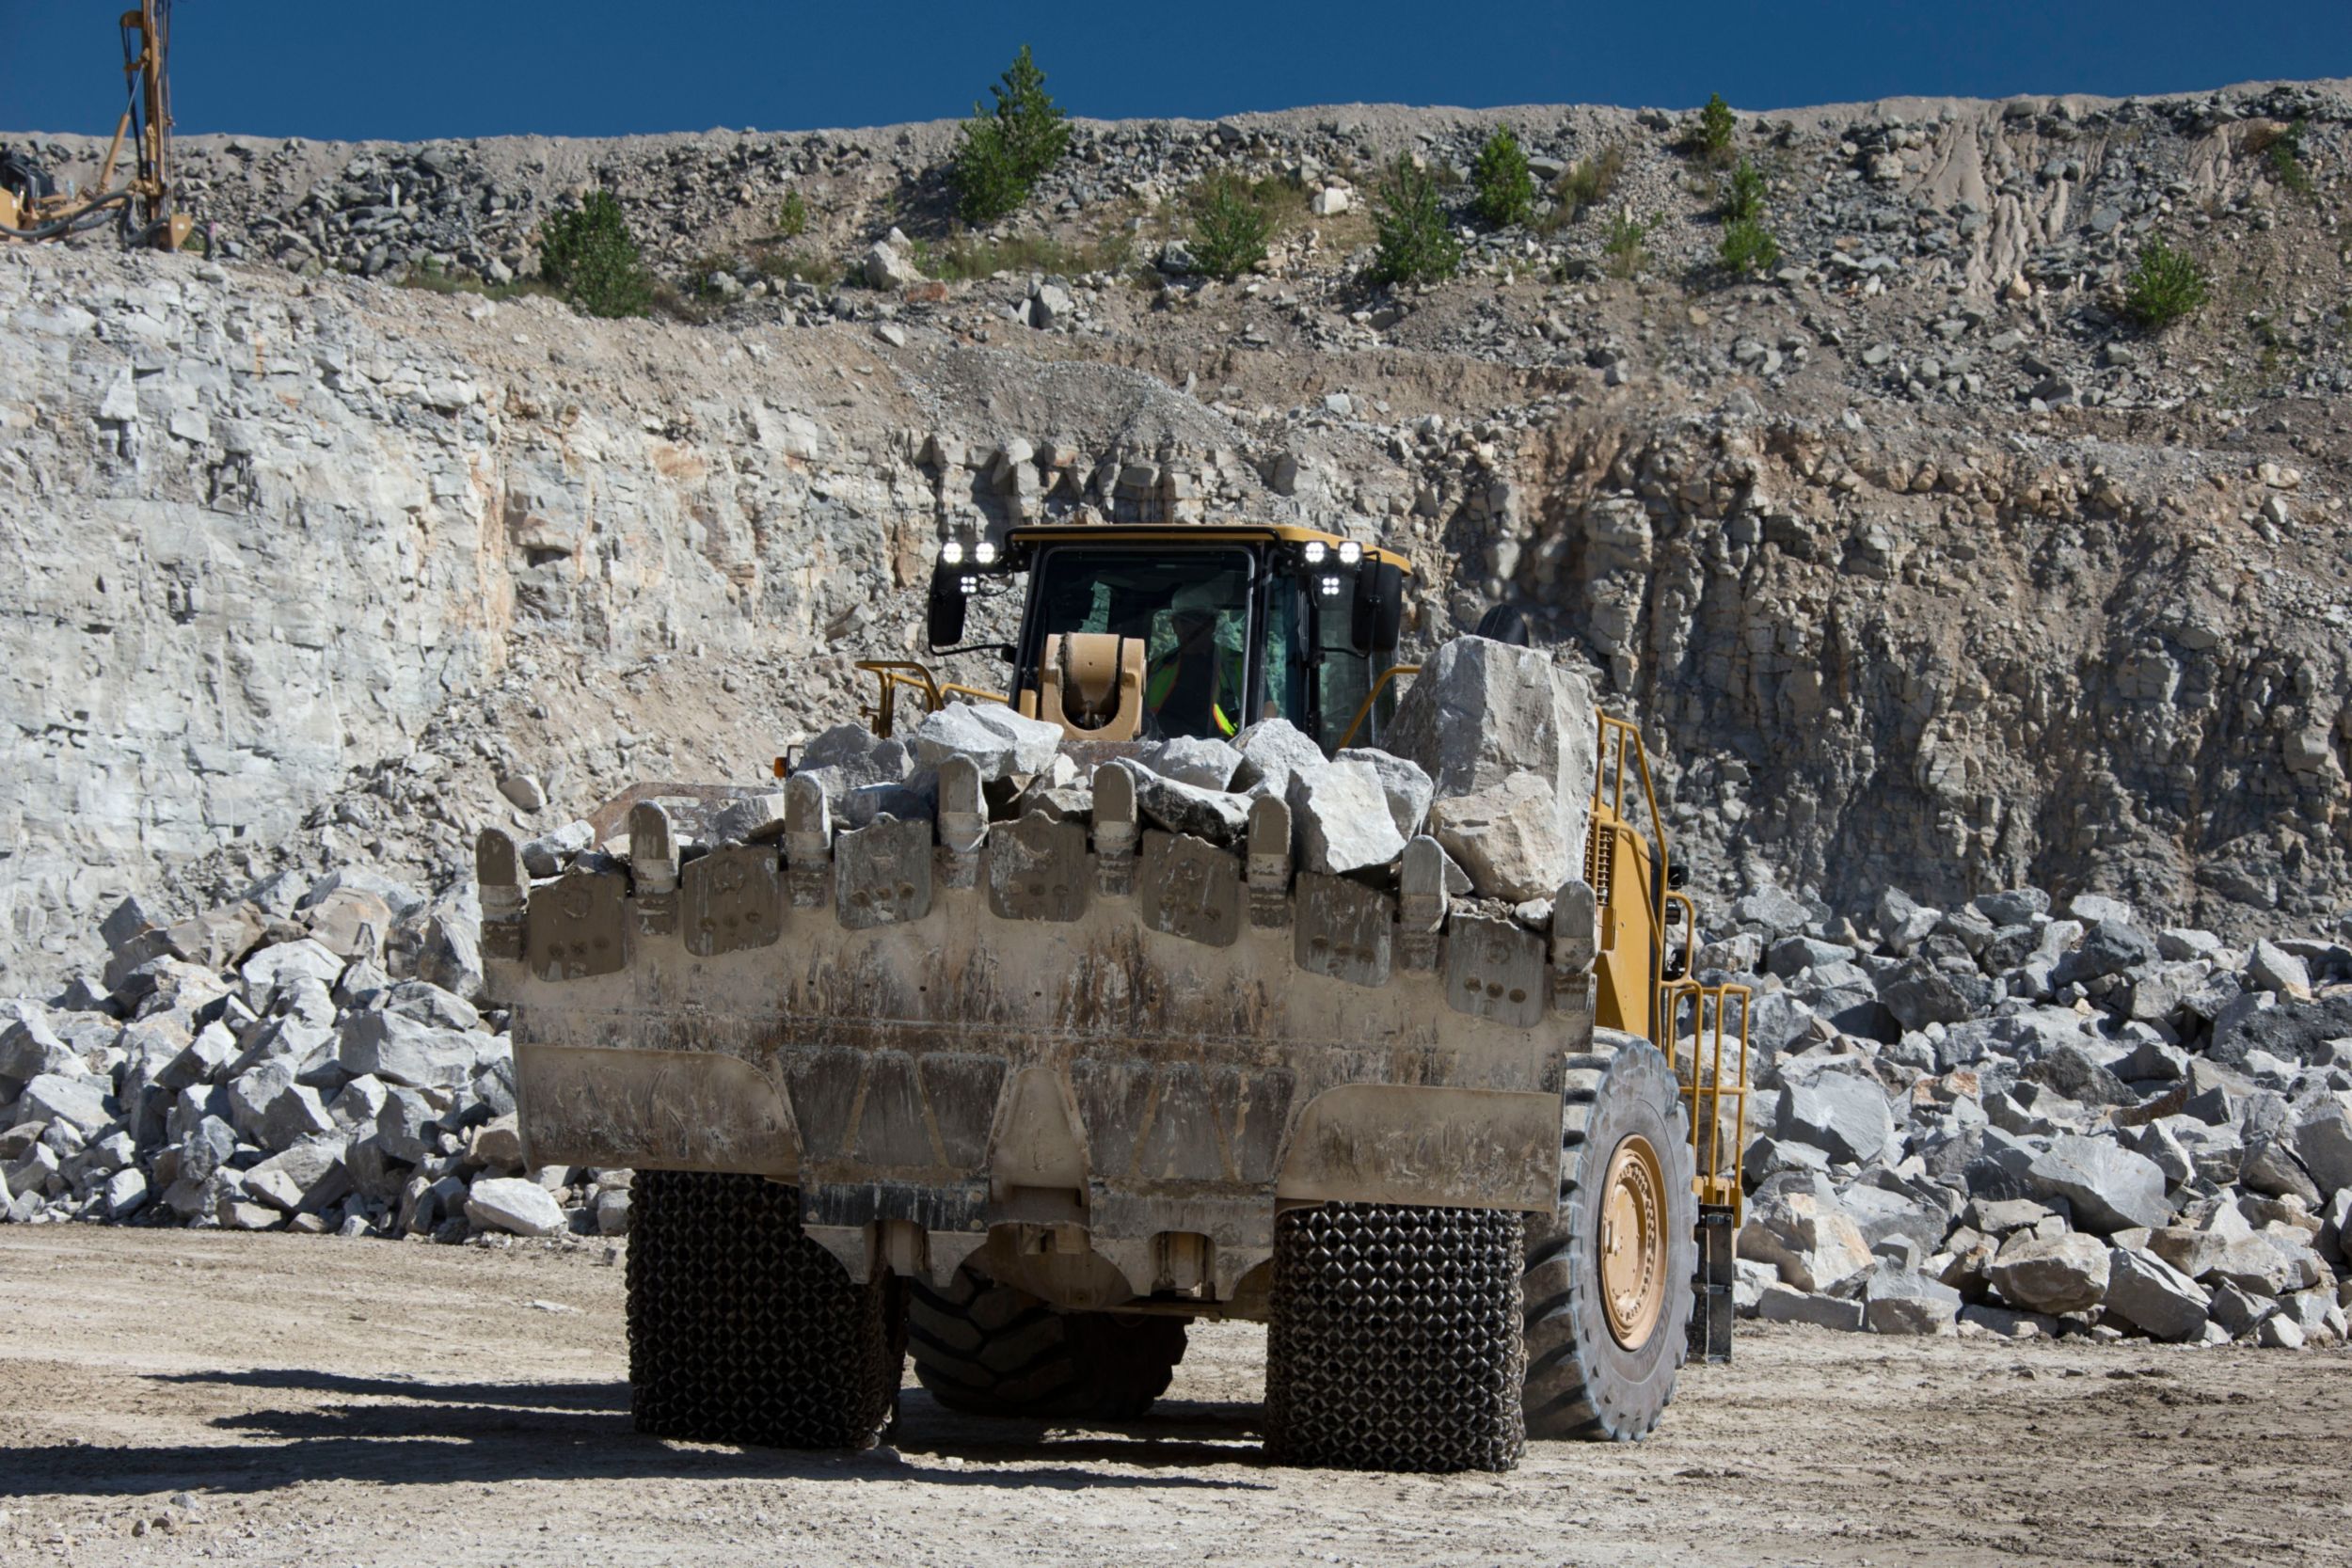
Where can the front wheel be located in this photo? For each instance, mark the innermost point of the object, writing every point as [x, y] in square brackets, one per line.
[1609, 1278]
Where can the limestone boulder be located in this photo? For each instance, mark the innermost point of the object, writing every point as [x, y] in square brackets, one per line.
[1507, 836]
[1481, 712]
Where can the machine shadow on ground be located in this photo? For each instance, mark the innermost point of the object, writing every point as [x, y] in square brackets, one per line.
[397, 1432]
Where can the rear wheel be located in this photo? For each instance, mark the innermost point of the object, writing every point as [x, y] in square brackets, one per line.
[743, 1330]
[1393, 1340]
[1607, 1288]
[987, 1349]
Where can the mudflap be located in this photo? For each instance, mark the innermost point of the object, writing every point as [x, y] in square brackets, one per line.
[1711, 1310]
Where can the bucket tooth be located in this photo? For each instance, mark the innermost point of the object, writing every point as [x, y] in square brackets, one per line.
[653, 869]
[1269, 864]
[807, 842]
[1114, 831]
[883, 874]
[1189, 888]
[1575, 932]
[575, 925]
[1344, 929]
[1038, 870]
[1420, 905]
[498, 870]
[962, 821]
[731, 899]
[1495, 969]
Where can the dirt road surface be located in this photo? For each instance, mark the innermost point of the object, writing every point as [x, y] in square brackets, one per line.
[171, 1397]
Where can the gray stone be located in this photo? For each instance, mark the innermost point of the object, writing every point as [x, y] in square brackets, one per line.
[1919, 993]
[2153, 1296]
[1506, 836]
[1180, 808]
[2059, 1274]
[1272, 750]
[523, 792]
[2279, 1332]
[1408, 788]
[1341, 821]
[275, 965]
[81, 1103]
[547, 854]
[2238, 1311]
[2272, 968]
[1000, 741]
[511, 1204]
[1835, 1111]
[205, 1147]
[295, 1112]
[2017, 907]
[2323, 1141]
[2091, 908]
[1898, 1300]
[2109, 947]
[1786, 1303]
[2291, 1030]
[1778, 911]
[2110, 1187]
[30, 1047]
[1903, 924]
[400, 1050]
[124, 1194]
[886, 267]
[749, 818]
[1191, 759]
[1795, 1223]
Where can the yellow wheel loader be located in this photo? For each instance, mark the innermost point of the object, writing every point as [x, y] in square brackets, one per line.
[1019, 1062]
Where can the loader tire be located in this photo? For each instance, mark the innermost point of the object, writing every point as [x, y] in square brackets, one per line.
[987, 1349]
[1393, 1341]
[743, 1330]
[1608, 1288]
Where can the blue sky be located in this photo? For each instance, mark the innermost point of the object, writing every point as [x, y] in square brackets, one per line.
[418, 69]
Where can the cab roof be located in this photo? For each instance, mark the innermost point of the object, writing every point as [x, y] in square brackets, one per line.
[1116, 534]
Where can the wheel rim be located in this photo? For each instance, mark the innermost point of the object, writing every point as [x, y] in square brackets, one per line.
[1633, 1241]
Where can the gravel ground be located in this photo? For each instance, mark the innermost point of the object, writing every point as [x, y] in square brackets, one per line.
[165, 1397]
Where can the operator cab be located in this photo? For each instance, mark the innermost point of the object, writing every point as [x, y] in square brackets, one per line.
[1141, 632]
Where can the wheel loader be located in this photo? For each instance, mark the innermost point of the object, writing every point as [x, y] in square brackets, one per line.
[1021, 1076]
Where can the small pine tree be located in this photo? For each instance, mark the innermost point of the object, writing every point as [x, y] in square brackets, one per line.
[791, 216]
[590, 259]
[1506, 191]
[1626, 246]
[1743, 198]
[2166, 286]
[1712, 139]
[1416, 243]
[1006, 151]
[1748, 248]
[1230, 227]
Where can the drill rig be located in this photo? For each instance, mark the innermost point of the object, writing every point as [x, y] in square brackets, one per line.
[31, 207]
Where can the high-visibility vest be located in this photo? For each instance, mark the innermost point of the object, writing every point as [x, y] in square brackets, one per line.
[1163, 682]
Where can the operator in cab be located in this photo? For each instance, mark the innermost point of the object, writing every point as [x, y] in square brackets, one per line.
[1196, 687]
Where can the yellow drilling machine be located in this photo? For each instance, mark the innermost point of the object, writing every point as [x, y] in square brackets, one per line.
[1022, 1058]
[142, 205]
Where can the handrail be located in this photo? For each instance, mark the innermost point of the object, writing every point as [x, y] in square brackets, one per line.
[1654, 896]
[1706, 1090]
[1364, 710]
[892, 673]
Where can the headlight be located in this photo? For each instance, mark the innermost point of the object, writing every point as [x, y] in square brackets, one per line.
[963, 582]
[1315, 552]
[1331, 588]
[1351, 553]
[952, 552]
[983, 552]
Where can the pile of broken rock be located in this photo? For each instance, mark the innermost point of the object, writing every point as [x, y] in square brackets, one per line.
[2032, 1123]
[308, 1057]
